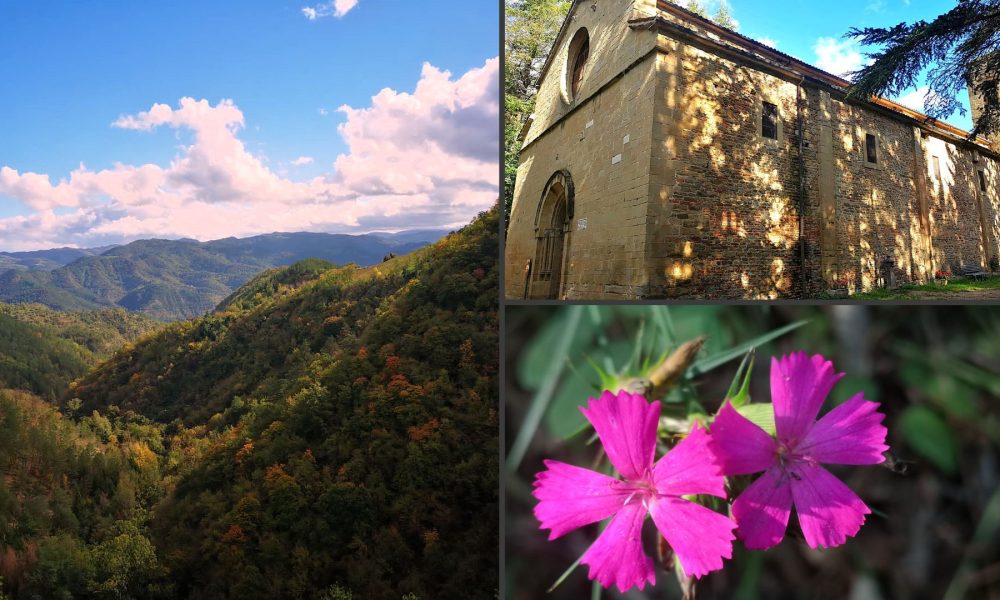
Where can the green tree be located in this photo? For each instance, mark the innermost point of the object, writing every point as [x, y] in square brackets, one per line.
[955, 48]
[531, 27]
[337, 592]
[64, 569]
[126, 563]
[724, 16]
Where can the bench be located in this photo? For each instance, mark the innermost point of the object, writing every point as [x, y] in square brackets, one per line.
[970, 271]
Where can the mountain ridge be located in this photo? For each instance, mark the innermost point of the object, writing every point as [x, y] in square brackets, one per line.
[177, 279]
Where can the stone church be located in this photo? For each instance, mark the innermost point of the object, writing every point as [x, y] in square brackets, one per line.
[670, 157]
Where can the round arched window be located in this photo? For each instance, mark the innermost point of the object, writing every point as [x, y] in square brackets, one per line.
[579, 52]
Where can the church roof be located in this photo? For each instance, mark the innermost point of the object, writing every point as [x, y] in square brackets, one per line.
[776, 59]
[813, 72]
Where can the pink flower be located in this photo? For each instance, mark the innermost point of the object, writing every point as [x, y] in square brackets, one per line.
[571, 497]
[850, 434]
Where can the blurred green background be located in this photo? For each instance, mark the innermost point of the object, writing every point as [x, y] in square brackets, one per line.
[935, 527]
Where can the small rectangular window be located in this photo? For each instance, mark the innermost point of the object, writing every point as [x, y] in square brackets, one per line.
[871, 148]
[937, 170]
[982, 181]
[769, 121]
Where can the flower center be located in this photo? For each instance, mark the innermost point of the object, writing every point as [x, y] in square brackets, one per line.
[640, 490]
[787, 456]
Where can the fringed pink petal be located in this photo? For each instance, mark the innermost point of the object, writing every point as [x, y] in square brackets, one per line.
[762, 510]
[617, 557]
[799, 385]
[699, 536]
[626, 424]
[829, 512]
[850, 434]
[571, 497]
[690, 468]
[739, 444]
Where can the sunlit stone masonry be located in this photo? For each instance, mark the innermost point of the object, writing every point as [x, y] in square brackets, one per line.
[670, 157]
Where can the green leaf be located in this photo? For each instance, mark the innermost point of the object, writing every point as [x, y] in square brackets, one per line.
[564, 419]
[738, 394]
[930, 437]
[761, 415]
[716, 360]
[664, 324]
[565, 574]
[539, 353]
[540, 402]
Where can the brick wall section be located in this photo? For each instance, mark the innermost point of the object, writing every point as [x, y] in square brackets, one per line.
[956, 222]
[876, 204]
[698, 204]
[726, 224]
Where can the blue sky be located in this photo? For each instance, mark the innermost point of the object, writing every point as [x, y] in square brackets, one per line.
[254, 147]
[813, 31]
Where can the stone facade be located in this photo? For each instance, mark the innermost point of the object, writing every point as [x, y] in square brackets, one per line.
[656, 180]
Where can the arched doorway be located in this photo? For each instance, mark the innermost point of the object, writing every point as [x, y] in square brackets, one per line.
[552, 234]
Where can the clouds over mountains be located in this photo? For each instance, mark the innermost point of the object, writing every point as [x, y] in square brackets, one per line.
[418, 158]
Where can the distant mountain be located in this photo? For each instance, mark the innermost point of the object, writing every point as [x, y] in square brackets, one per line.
[413, 235]
[327, 429]
[46, 260]
[178, 279]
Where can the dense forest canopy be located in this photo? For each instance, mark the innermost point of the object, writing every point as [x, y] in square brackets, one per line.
[326, 432]
[42, 350]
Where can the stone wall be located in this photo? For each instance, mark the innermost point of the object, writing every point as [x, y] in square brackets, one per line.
[677, 194]
[603, 141]
[724, 220]
[877, 216]
[613, 47]
[954, 198]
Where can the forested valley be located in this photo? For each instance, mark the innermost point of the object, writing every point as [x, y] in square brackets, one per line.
[326, 432]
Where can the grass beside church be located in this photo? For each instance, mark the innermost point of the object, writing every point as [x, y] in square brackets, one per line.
[932, 290]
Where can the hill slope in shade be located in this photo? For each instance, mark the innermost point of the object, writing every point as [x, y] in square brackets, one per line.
[326, 426]
[42, 350]
[179, 279]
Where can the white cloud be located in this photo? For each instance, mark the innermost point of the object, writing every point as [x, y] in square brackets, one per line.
[405, 142]
[876, 6]
[424, 158]
[323, 112]
[838, 57]
[768, 42]
[336, 8]
[915, 99]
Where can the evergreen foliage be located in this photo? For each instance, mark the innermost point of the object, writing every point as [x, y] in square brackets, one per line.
[958, 47]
